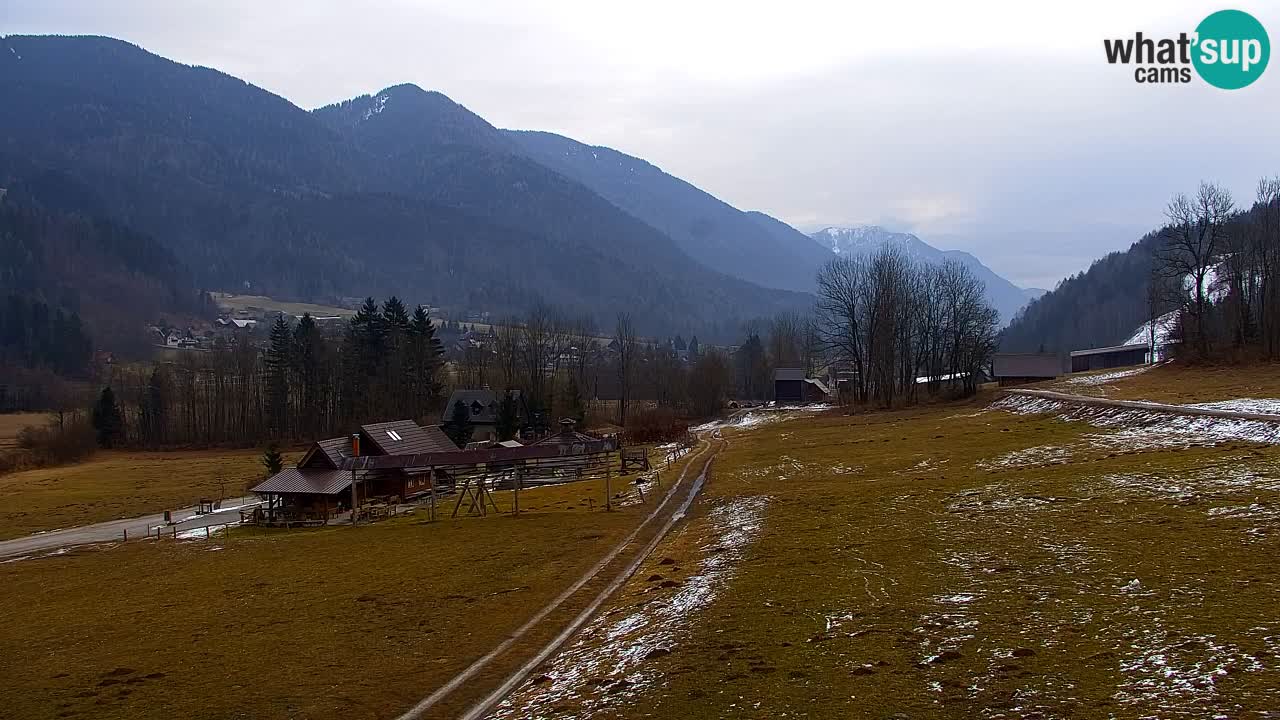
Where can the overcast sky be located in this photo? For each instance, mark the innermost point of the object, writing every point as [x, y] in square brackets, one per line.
[1000, 130]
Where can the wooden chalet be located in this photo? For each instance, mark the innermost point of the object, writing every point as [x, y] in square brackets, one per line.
[319, 486]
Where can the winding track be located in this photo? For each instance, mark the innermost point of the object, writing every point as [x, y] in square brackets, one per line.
[481, 708]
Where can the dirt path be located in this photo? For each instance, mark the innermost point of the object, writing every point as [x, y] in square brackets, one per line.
[511, 680]
[1145, 406]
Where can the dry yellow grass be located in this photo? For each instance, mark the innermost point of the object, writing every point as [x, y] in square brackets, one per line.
[1180, 383]
[242, 302]
[922, 564]
[120, 484]
[12, 423]
[335, 622]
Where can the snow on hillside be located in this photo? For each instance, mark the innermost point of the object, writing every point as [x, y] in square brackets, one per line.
[1165, 325]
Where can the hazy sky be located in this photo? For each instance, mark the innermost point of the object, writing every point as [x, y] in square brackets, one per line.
[1000, 130]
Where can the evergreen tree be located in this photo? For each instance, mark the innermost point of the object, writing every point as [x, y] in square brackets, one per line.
[107, 421]
[425, 360]
[362, 352]
[155, 409]
[694, 350]
[508, 416]
[272, 459]
[395, 369]
[308, 362]
[458, 427]
[278, 359]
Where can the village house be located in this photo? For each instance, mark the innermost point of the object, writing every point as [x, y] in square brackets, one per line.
[317, 488]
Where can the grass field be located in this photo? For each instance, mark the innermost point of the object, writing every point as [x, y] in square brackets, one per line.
[1176, 383]
[12, 423]
[943, 563]
[228, 301]
[120, 484]
[335, 622]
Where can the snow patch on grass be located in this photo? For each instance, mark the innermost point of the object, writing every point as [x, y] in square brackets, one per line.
[606, 662]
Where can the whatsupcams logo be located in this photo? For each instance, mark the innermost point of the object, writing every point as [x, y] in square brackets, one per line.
[1228, 50]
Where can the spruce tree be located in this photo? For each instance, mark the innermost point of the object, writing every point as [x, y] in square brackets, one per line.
[107, 421]
[272, 459]
[425, 361]
[307, 363]
[278, 359]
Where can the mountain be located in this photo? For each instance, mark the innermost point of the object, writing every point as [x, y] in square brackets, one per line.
[112, 276]
[709, 230]
[1033, 293]
[1006, 297]
[1100, 307]
[401, 191]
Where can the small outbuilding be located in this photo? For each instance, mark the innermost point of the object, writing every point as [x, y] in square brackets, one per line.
[788, 385]
[1109, 357]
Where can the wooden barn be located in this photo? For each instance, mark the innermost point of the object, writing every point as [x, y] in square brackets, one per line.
[791, 386]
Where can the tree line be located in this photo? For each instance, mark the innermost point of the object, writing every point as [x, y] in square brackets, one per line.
[1218, 268]
[895, 325]
[301, 386]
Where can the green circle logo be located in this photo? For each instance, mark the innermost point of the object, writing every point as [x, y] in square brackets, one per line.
[1232, 49]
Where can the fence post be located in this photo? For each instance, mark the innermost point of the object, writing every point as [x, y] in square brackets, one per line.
[126, 534]
[517, 493]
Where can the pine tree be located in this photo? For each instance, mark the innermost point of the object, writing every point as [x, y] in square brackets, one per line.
[278, 359]
[107, 421]
[308, 358]
[272, 459]
[155, 409]
[362, 351]
[508, 416]
[425, 361]
[395, 369]
[458, 427]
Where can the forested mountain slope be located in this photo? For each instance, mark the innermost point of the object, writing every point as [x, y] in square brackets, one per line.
[1096, 308]
[711, 231]
[402, 192]
[112, 276]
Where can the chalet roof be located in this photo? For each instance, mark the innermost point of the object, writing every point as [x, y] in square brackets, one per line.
[403, 437]
[329, 452]
[304, 481]
[788, 374]
[482, 404]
